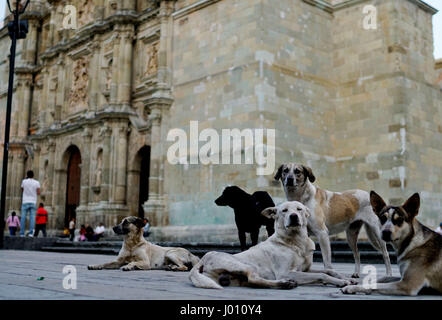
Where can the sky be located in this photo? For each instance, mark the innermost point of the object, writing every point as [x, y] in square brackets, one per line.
[437, 24]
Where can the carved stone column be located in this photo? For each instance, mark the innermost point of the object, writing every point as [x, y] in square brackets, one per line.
[9, 185]
[165, 49]
[24, 81]
[115, 71]
[125, 67]
[106, 133]
[16, 171]
[121, 164]
[155, 206]
[60, 89]
[94, 76]
[50, 198]
[85, 170]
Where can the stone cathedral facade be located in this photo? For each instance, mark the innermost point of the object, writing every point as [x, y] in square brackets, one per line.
[93, 104]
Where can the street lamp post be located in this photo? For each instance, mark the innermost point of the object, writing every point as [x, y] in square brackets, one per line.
[17, 30]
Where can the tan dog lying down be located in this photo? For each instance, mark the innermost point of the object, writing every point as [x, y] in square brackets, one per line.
[139, 254]
[282, 261]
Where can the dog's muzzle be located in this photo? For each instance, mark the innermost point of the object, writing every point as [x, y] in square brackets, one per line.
[290, 182]
[386, 235]
[220, 202]
[118, 229]
[294, 221]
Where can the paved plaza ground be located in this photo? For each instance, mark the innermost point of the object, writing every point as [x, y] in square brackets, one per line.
[20, 271]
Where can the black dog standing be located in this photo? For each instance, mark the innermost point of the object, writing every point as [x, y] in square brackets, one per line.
[248, 208]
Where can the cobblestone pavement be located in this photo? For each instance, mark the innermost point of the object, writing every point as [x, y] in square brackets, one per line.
[20, 270]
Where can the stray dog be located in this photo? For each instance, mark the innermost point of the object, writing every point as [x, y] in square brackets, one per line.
[333, 212]
[283, 261]
[139, 254]
[248, 210]
[419, 250]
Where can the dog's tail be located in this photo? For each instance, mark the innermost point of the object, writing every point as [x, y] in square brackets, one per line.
[200, 280]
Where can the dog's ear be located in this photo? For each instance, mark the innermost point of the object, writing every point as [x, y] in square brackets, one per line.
[139, 223]
[307, 212]
[309, 173]
[411, 206]
[270, 212]
[278, 174]
[377, 203]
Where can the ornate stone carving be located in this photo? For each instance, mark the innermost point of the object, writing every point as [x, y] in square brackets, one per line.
[80, 82]
[109, 75]
[85, 12]
[152, 59]
[98, 169]
[45, 184]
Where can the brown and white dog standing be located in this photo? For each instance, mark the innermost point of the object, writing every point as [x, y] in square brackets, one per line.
[139, 254]
[419, 250]
[333, 212]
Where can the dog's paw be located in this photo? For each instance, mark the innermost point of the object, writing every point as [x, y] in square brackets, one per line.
[355, 275]
[288, 284]
[348, 290]
[94, 267]
[345, 283]
[334, 274]
[127, 268]
[177, 268]
[353, 281]
[355, 289]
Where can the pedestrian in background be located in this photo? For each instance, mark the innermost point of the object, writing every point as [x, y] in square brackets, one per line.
[41, 220]
[82, 233]
[31, 189]
[13, 223]
[146, 229]
[99, 231]
[72, 229]
[89, 233]
[439, 229]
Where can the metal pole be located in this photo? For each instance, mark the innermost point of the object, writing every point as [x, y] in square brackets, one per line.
[7, 128]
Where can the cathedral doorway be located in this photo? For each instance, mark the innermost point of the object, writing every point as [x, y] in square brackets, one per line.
[143, 196]
[73, 184]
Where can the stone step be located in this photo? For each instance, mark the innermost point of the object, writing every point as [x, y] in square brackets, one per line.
[340, 249]
[335, 245]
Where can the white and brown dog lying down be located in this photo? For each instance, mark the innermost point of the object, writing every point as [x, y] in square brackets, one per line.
[282, 261]
[139, 254]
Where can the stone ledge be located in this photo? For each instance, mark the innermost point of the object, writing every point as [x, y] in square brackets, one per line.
[28, 243]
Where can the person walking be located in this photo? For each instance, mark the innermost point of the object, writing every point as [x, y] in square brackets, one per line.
[72, 229]
[13, 223]
[31, 190]
[41, 220]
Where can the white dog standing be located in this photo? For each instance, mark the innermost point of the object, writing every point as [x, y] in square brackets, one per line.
[282, 261]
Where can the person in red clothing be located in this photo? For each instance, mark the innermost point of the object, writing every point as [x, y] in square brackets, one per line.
[41, 220]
